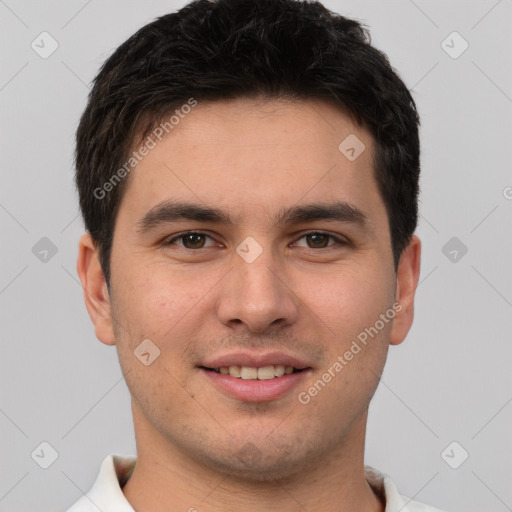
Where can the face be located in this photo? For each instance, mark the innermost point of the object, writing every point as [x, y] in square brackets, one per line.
[247, 239]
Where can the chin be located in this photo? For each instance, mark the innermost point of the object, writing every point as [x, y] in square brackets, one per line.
[258, 464]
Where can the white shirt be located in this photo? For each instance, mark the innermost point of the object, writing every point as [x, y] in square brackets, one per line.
[106, 495]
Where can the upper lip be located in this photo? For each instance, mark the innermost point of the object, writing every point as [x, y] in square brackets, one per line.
[255, 360]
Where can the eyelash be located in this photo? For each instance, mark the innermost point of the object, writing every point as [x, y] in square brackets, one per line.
[338, 241]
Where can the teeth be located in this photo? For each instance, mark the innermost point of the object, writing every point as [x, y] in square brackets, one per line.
[279, 370]
[252, 373]
[247, 372]
[266, 373]
[234, 371]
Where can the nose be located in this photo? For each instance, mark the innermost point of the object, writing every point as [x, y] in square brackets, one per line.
[256, 295]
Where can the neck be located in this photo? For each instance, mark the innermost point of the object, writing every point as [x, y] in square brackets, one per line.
[165, 479]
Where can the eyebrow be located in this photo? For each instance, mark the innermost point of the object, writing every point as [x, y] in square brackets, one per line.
[172, 211]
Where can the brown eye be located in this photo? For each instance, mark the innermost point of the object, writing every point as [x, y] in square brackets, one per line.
[193, 240]
[318, 240]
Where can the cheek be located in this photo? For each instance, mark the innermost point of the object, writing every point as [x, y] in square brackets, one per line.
[350, 300]
[157, 304]
[357, 340]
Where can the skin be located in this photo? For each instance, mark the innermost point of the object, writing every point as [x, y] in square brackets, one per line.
[196, 446]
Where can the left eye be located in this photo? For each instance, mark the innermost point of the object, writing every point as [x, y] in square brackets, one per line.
[319, 240]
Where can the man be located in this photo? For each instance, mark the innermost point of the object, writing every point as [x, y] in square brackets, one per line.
[248, 176]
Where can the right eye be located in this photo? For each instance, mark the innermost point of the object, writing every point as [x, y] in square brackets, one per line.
[190, 240]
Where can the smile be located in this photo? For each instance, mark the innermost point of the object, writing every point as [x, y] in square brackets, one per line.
[252, 373]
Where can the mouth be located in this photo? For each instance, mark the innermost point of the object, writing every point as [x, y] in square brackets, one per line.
[253, 377]
[267, 372]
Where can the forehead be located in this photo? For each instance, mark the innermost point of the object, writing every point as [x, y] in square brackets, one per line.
[246, 153]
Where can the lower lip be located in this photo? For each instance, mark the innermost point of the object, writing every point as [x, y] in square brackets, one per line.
[255, 390]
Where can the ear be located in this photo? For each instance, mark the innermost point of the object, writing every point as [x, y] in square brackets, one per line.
[407, 276]
[97, 299]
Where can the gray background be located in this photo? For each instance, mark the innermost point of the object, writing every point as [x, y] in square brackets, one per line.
[449, 381]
